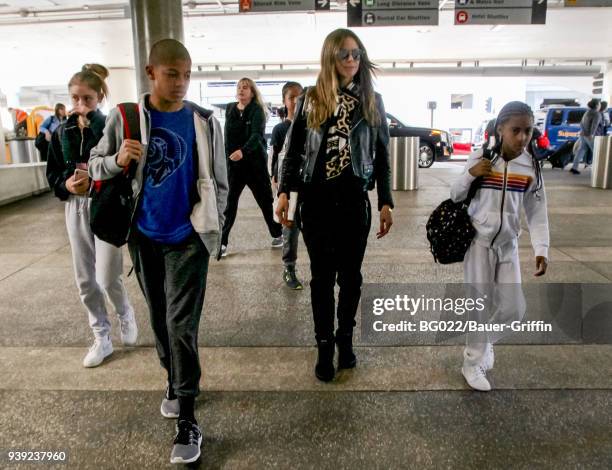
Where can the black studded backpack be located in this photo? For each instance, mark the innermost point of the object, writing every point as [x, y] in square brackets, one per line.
[449, 229]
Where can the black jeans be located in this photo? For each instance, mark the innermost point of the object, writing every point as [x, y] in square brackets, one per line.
[335, 233]
[255, 176]
[173, 281]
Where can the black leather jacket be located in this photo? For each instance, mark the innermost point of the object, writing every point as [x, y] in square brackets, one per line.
[369, 152]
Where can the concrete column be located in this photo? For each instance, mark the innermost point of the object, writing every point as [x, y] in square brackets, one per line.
[607, 86]
[153, 20]
[122, 86]
[2, 144]
[3, 104]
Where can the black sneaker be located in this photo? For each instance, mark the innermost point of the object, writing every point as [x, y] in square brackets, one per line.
[574, 172]
[291, 279]
[187, 442]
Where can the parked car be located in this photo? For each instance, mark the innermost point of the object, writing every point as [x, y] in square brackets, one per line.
[434, 144]
[483, 132]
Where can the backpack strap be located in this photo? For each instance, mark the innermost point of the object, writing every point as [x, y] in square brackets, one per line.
[472, 192]
[488, 154]
[130, 114]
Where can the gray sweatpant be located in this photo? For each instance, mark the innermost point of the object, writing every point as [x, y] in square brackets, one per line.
[97, 268]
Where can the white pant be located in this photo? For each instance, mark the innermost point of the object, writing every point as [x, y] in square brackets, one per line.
[97, 268]
[495, 273]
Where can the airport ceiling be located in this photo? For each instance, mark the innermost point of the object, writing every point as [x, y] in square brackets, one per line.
[43, 38]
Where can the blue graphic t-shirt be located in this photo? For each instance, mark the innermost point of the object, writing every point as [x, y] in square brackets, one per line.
[169, 182]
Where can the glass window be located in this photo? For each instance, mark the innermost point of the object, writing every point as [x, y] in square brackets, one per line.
[557, 117]
[574, 117]
[462, 101]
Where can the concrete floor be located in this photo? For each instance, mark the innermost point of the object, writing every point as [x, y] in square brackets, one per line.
[261, 407]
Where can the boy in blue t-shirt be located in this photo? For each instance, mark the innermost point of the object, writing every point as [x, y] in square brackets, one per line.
[182, 145]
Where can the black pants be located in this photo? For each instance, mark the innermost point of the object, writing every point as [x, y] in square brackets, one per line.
[335, 233]
[173, 281]
[255, 176]
[43, 149]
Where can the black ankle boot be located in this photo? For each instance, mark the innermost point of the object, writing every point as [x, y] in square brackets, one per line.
[346, 356]
[324, 369]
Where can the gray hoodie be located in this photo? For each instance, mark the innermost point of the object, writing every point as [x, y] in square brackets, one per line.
[590, 122]
[207, 214]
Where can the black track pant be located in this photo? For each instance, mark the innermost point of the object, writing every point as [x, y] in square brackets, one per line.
[173, 281]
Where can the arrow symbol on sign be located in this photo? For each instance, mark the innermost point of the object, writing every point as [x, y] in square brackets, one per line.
[322, 3]
[354, 3]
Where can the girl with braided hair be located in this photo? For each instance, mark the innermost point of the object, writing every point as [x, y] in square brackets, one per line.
[509, 179]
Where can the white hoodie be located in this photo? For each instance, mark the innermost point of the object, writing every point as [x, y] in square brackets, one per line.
[495, 209]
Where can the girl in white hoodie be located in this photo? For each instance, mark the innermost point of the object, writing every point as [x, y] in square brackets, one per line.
[510, 178]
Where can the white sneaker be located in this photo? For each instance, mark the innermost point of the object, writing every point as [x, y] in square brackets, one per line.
[223, 251]
[129, 330]
[476, 377]
[489, 357]
[102, 348]
[277, 242]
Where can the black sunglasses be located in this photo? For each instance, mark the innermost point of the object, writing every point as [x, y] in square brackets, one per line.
[343, 54]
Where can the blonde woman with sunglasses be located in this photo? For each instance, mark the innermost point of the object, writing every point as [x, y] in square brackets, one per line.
[337, 150]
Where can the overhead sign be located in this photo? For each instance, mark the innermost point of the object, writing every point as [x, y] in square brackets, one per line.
[588, 3]
[392, 12]
[494, 12]
[254, 6]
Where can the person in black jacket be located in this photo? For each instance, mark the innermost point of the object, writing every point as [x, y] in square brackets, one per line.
[290, 93]
[245, 147]
[340, 128]
[97, 265]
